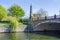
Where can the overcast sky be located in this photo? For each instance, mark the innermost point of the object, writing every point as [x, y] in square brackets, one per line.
[52, 6]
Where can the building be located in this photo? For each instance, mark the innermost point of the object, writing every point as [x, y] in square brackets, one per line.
[36, 16]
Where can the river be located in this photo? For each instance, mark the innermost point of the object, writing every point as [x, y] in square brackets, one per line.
[29, 36]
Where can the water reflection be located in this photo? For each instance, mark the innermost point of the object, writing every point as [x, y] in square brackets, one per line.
[26, 36]
[13, 36]
[33, 36]
[16, 36]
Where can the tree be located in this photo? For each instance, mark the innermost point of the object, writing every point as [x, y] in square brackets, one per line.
[42, 12]
[16, 11]
[3, 12]
[14, 23]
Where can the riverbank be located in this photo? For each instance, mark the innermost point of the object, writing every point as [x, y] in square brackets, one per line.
[6, 28]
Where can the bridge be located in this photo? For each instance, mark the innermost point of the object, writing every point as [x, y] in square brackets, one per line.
[46, 22]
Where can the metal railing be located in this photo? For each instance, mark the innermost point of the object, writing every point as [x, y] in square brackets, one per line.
[48, 18]
[54, 18]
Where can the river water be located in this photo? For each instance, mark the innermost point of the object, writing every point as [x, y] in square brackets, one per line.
[29, 36]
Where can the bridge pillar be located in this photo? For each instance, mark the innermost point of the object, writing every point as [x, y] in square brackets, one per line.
[55, 16]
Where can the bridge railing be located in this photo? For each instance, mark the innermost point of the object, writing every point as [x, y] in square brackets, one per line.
[48, 18]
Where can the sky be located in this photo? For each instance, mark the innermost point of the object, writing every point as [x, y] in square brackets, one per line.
[51, 6]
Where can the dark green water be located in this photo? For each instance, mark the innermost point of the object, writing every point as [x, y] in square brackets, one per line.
[29, 36]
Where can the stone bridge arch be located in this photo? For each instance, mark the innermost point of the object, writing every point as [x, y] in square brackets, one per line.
[47, 25]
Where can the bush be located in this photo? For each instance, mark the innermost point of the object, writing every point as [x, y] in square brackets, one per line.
[14, 23]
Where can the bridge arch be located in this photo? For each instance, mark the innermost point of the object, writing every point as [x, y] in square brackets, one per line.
[47, 25]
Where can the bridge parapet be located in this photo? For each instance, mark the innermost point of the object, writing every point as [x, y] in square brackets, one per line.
[48, 18]
[43, 21]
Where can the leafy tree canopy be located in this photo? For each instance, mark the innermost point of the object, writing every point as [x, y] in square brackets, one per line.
[16, 11]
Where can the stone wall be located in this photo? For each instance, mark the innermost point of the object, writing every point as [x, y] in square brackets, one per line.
[48, 26]
[6, 28]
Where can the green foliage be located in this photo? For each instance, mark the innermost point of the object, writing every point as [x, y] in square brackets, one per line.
[3, 12]
[24, 21]
[16, 11]
[14, 23]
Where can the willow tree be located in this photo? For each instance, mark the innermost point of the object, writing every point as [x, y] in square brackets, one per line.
[13, 23]
[16, 11]
[3, 12]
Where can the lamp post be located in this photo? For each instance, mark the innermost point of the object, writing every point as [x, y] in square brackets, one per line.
[30, 12]
[30, 20]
